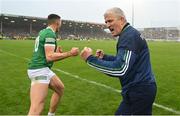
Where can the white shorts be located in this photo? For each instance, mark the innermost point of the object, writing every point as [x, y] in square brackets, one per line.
[41, 75]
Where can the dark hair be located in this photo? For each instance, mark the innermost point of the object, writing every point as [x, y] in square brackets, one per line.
[52, 18]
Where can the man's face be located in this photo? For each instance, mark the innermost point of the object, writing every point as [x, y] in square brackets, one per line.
[114, 24]
[58, 25]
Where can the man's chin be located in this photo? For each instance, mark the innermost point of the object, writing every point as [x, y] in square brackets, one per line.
[114, 35]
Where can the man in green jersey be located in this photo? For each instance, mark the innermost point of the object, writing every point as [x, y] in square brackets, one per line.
[39, 70]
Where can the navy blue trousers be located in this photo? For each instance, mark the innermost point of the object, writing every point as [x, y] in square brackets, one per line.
[138, 100]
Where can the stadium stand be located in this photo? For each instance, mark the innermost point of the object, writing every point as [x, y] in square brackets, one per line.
[162, 33]
[22, 27]
[26, 27]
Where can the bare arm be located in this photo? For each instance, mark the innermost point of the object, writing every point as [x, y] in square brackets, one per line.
[55, 56]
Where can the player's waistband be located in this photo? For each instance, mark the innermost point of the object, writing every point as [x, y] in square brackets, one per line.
[41, 68]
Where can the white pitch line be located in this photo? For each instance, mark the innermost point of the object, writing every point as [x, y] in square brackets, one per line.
[166, 108]
[95, 83]
[113, 89]
[89, 81]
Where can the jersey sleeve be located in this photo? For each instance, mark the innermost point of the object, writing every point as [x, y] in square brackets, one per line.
[108, 57]
[50, 39]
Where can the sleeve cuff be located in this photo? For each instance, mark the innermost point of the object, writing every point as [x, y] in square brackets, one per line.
[49, 44]
[104, 56]
[90, 58]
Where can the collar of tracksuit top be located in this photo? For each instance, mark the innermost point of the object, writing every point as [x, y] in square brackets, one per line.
[124, 28]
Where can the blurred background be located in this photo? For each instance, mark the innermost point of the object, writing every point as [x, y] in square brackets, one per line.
[87, 91]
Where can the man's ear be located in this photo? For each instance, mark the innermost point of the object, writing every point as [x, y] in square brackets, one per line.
[122, 20]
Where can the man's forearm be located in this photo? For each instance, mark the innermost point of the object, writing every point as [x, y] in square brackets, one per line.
[109, 57]
[58, 56]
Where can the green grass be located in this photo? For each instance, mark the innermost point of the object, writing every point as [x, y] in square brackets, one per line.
[82, 97]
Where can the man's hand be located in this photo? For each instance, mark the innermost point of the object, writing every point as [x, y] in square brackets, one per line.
[74, 51]
[86, 52]
[99, 53]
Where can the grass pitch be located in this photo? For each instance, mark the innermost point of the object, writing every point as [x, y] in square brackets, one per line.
[81, 96]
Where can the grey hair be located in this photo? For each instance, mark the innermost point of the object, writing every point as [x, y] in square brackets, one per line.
[116, 11]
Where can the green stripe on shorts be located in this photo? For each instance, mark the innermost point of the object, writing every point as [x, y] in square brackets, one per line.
[40, 78]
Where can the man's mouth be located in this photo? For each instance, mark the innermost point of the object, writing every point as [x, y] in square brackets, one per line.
[111, 29]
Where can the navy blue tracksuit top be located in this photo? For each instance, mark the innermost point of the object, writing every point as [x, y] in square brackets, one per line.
[131, 64]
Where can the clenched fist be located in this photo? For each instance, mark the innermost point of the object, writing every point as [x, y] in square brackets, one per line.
[86, 52]
[99, 53]
[74, 51]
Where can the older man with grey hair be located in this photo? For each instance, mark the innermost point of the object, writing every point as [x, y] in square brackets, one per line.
[131, 65]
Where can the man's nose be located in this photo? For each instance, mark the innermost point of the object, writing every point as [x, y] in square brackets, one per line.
[108, 25]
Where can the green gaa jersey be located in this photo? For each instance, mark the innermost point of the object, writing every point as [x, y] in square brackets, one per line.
[46, 37]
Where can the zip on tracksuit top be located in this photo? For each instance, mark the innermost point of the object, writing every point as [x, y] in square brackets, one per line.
[131, 63]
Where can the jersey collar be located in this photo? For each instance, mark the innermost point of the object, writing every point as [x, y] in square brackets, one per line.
[50, 28]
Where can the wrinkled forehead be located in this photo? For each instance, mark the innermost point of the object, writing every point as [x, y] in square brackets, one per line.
[108, 16]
